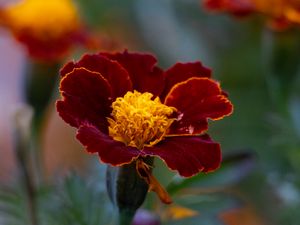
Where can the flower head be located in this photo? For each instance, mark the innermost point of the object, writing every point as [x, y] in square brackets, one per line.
[47, 28]
[126, 108]
[280, 13]
[234, 7]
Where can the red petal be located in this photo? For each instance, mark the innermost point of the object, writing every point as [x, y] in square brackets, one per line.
[145, 76]
[235, 7]
[86, 98]
[112, 71]
[196, 100]
[109, 150]
[183, 71]
[46, 50]
[67, 68]
[188, 155]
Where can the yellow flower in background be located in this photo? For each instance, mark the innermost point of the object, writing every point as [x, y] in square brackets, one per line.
[44, 19]
[282, 12]
[48, 29]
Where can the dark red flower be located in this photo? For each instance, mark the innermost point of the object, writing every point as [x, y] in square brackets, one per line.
[280, 14]
[125, 107]
[235, 7]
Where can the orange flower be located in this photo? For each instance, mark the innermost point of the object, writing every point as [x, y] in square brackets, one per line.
[280, 13]
[48, 29]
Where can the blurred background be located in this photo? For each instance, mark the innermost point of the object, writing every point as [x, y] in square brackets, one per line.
[258, 182]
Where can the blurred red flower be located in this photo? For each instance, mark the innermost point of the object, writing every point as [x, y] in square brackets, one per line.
[234, 7]
[280, 13]
[127, 108]
[48, 29]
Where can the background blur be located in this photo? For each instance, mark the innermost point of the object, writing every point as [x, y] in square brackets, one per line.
[259, 181]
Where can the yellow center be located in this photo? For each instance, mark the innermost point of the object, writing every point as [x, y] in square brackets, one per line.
[43, 19]
[139, 121]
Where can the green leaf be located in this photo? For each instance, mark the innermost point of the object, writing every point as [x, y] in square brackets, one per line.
[13, 207]
[78, 202]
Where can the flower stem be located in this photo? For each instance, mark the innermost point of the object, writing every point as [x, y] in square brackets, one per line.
[22, 135]
[280, 57]
[30, 192]
[40, 81]
[126, 217]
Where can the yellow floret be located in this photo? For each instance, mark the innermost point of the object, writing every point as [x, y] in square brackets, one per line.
[139, 121]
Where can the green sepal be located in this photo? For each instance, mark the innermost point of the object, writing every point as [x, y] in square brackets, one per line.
[126, 189]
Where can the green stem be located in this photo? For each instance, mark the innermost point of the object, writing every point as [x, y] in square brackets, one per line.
[281, 56]
[22, 150]
[126, 217]
[30, 192]
[39, 85]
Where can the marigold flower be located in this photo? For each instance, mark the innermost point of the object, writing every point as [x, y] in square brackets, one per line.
[47, 28]
[281, 13]
[126, 108]
[235, 7]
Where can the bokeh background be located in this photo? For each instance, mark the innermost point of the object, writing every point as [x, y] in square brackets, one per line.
[258, 182]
